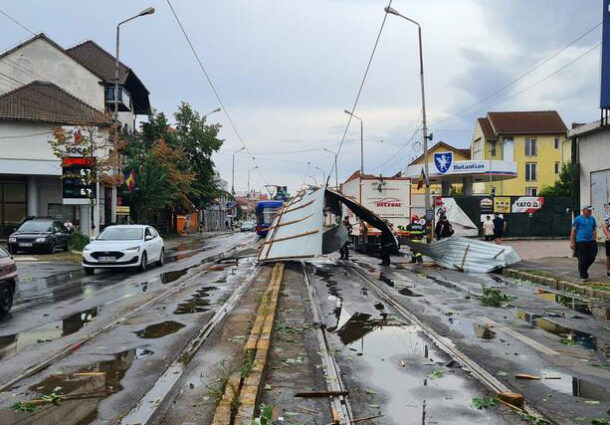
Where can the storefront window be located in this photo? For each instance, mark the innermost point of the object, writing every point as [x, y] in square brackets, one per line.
[13, 207]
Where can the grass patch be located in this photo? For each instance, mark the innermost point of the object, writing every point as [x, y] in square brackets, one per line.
[483, 402]
[436, 374]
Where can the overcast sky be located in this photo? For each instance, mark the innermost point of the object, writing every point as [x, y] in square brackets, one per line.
[287, 69]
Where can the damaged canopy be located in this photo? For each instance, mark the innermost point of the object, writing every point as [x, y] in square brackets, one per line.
[304, 227]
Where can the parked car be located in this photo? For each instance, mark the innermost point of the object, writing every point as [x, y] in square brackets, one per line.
[39, 234]
[248, 226]
[129, 245]
[8, 281]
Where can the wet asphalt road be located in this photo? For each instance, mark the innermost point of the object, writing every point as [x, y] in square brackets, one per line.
[131, 328]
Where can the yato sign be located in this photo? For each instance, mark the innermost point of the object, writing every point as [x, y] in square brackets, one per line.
[528, 204]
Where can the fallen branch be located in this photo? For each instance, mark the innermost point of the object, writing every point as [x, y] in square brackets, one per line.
[318, 394]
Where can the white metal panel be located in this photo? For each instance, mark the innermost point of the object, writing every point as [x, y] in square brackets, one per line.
[296, 231]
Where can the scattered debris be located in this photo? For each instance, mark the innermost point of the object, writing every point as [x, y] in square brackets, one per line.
[526, 376]
[483, 330]
[514, 399]
[436, 374]
[493, 297]
[318, 394]
[483, 402]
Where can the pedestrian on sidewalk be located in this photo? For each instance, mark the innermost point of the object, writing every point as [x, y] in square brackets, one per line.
[444, 229]
[499, 228]
[345, 247]
[583, 238]
[488, 229]
[606, 229]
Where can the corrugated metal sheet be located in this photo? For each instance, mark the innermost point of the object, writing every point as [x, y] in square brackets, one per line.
[296, 231]
[469, 255]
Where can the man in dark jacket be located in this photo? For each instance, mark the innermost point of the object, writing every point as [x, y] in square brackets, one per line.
[345, 247]
[387, 244]
[443, 228]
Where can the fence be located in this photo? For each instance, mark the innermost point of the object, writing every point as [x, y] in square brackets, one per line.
[551, 217]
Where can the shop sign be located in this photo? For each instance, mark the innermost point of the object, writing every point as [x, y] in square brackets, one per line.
[528, 204]
[502, 204]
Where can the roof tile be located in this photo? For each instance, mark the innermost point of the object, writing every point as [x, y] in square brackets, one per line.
[527, 122]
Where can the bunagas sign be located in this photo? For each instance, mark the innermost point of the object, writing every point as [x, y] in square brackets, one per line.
[528, 204]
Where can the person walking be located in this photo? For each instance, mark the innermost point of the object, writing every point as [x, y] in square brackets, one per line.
[499, 228]
[606, 229]
[345, 247]
[417, 231]
[443, 229]
[583, 239]
[488, 229]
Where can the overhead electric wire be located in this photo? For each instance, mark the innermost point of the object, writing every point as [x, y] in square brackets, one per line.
[216, 94]
[17, 22]
[395, 156]
[366, 72]
[520, 77]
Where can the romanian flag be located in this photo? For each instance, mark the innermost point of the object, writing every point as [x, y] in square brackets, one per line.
[130, 181]
[420, 181]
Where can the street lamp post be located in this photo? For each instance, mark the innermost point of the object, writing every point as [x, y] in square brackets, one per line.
[361, 140]
[147, 11]
[336, 154]
[249, 171]
[423, 105]
[323, 174]
[212, 112]
[233, 170]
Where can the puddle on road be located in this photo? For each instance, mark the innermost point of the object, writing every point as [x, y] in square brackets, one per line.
[573, 303]
[572, 385]
[159, 330]
[94, 382]
[395, 361]
[198, 303]
[12, 344]
[569, 336]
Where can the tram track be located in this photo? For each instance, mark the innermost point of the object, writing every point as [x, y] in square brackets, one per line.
[443, 343]
[69, 349]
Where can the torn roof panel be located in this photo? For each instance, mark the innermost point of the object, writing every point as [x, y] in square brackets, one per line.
[469, 255]
[296, 231]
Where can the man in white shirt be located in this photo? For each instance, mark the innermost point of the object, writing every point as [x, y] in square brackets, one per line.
[488, 229]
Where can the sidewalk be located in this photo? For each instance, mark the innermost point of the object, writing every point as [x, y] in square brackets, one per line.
[553, 258]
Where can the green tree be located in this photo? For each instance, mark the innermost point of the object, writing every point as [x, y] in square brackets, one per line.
[563, 186]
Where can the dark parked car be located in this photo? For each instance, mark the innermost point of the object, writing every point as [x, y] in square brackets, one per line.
[8, 281]
[39, 234]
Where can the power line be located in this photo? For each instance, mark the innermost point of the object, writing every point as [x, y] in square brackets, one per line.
[520, 77]
[366, 72]
[207, 76]
[17, 22]
[395, 156]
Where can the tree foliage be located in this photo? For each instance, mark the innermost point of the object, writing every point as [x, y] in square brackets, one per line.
[173, 165]
[563, 186]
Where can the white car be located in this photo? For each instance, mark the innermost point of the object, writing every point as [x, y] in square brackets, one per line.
[248, 226]
[130, 245]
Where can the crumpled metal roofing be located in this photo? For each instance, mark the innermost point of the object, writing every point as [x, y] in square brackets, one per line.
[469, 255]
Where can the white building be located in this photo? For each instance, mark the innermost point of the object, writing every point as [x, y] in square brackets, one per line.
[44, 86]
[592, 152]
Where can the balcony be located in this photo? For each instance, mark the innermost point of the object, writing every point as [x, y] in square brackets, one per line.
[124, 99]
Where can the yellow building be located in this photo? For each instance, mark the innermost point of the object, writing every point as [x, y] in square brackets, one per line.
[535, 140]
[458, 155]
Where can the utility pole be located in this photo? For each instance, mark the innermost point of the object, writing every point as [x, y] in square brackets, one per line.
[424, 123]
[361, 140]
[115, 117]
[233, 171]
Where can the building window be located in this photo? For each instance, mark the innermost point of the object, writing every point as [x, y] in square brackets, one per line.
[531, 191]
[556, 167]
[477, 149]
[492, 149]
[530, 147]
[556, 142]
[530, 172]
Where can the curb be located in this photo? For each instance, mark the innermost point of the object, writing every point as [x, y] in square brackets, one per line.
[241, 394]
[562, 285]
